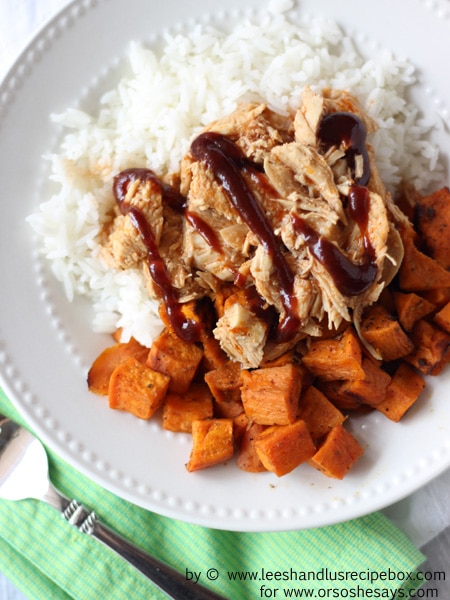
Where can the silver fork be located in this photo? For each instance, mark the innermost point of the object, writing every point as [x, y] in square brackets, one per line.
[24, 474]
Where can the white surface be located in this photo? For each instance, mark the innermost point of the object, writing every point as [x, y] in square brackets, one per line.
[46, 375]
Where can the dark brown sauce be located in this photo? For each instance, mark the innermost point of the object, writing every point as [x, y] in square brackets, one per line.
[207, 232]
[351, 279]
[185, 328]
[347, 129]
[226, 161]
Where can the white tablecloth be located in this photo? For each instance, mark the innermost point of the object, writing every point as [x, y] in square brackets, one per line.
[425, 515]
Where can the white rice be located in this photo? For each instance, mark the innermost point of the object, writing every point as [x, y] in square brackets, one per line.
[168, 97]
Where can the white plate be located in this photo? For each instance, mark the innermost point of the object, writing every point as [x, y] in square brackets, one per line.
[46, 344]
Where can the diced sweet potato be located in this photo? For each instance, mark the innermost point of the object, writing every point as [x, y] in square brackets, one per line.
[103, 366]
[432, 217]
[332, 390]
[431, 348]
[372, 389]
[319, 414]
[212, 443]
[404, 389]
[335, 359]
[270, 395]
[248, 459]
[385, 334]
[176, 358]
[135, 388]
[282, 448]
[442, 318]
[419, 272]
[180, 410]
[410, 308]
[337, 454]
[225, 382]
[438, 297]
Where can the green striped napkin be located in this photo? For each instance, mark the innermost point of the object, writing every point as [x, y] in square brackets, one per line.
[49, 559]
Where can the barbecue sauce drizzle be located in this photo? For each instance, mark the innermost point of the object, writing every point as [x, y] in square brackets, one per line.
[185, 328]
[348, 131]
[227, 162]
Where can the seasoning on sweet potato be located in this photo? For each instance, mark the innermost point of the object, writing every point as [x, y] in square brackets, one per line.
[404, 389]
[431, 348]
[333, 359]
[135, 388]
[248, 459]
[432, 218]
[101, 369]
[410, 308]
[319, 414]
[225, 382]
[371, 390]
[212, 443]
[442, 318]
[180, 410]
[337, 454]
[419, 272]
[176, 358]
[384, 333]
[270, 395]
[282, 448]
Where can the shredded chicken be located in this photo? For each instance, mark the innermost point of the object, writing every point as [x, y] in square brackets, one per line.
[289, 171]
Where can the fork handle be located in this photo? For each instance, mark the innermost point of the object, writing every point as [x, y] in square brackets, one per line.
[167, 579]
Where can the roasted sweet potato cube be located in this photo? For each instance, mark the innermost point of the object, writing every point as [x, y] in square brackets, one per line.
[438, 297]
[282, 448]
[442, 318]
[103, 366]
[410, 308]
[212, 443]
[337, 454]
[180, 410]
[135, 388]
[404, 389]
[270, 395]
[319, 414]
[432, 218]
[332, 390]
[225, 382]
[385, 334]
[333, 359]
[213, 355]
[372, 389]
[431, 348]
[248, 459]
[419, 272]
[176, 358]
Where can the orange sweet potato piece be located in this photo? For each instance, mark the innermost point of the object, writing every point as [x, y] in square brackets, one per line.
[419, 272]
[333, 359]
[384, 333]
[135, 388]
[180, 410]
[212, 443]
[438, 297]
[410, 308]
[176, 358]
[282, 448]
[431, 348]
[372, 389]
[319, 414]
[337, 454]
[442, 318]
[270, 395]
[332, 390]
[103, 366]
[433, 223]
[404, 389]
[225, 382]
[248, 459]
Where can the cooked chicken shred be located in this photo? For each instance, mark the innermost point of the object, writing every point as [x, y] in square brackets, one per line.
[293, 173]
